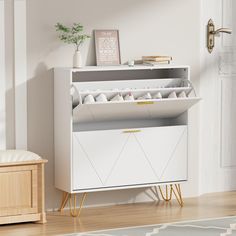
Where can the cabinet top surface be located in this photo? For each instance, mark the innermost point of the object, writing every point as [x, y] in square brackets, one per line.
[123, 67]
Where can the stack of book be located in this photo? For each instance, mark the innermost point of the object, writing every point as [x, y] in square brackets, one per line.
[154, 60]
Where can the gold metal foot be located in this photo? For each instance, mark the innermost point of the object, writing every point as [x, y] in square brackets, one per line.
[178, 194]
[65, 197]
[76, 212]
[168, 195]
[68, 196]
[169, 190]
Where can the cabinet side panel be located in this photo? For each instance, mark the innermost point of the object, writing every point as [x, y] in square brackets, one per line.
[62, 128]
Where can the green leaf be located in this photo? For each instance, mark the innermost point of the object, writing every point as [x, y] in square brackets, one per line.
[71, 35]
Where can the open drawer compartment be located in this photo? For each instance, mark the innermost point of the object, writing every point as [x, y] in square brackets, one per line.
[143, 109]
[140, 107]
[137, 88]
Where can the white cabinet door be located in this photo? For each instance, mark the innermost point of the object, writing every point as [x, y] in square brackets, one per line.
[166, 150]
[84, 175]
[116, 158]
[98, 152]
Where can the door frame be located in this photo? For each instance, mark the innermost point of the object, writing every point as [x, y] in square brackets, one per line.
[2, 77]
[18, 76]
[20, 73]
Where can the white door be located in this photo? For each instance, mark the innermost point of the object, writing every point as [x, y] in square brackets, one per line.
[218, 108]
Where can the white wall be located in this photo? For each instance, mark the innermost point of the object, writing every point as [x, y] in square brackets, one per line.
[146, 27]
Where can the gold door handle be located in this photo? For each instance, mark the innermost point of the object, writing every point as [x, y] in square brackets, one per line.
[131, 131]
[211, 33]
[222, 30]
[145, 103]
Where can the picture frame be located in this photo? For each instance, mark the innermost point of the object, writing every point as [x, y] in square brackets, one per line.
[107, 45]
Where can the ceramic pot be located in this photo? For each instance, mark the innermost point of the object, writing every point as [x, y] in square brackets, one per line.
[77, 60]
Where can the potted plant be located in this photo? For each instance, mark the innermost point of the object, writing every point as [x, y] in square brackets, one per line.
[73, 35]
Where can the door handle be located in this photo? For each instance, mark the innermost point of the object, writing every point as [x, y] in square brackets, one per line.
[131, 131]
[222, 30]
[145, 103]
[211, 33]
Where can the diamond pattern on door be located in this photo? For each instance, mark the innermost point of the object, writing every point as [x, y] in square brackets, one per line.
[102, 149]
[161, 146]
[116, 158]
[132, 167]
[84, 174]
[176, 167]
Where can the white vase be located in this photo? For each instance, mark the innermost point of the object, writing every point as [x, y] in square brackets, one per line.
[77, 60]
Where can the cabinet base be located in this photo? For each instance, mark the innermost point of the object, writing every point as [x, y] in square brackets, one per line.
[166, 194]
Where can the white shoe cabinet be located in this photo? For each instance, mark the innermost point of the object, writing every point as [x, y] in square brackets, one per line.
[121, 144]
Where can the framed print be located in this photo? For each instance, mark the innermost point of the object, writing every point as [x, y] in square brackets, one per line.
[107, 47]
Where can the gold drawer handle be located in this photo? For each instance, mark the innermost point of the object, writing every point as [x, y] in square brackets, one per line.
[131, 131]
[145, 103]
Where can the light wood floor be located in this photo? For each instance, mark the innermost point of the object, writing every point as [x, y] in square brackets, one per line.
[207, 206]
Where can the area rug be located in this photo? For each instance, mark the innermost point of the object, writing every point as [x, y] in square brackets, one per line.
[213, 227]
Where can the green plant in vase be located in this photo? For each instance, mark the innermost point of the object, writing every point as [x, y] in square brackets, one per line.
[73, 35]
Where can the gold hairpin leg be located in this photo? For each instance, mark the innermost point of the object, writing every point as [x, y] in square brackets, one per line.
[169, 192]
[76, 212]
[178, 194]
[65, 197]
[166, 198]
[72, 197]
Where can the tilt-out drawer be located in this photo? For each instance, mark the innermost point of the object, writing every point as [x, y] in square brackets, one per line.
[131, 157]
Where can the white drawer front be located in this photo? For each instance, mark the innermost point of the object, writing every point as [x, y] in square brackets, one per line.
[165, 108]
[113, 158]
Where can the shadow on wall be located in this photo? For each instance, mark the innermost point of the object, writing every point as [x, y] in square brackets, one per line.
[40, 122]
[91, 57]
